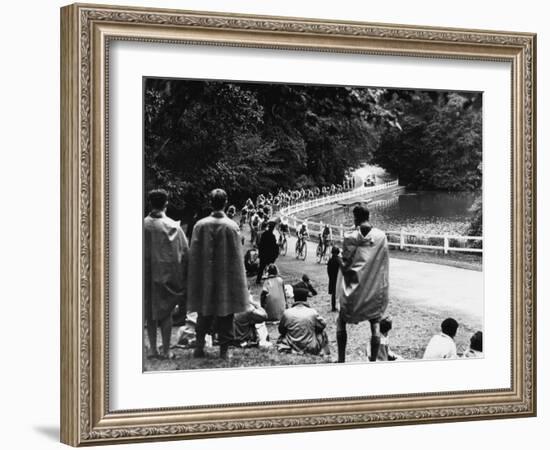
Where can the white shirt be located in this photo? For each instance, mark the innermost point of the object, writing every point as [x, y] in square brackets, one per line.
[440, 346]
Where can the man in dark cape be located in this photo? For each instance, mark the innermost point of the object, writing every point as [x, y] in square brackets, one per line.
[268, 249]
[362, 285]
[217, 280]
[165, 262]
[333, 267]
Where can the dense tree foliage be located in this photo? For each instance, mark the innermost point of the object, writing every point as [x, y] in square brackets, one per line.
[438, 145]
[251, 138]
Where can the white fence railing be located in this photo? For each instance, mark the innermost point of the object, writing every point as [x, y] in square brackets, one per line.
[308, 204]
[401, 239]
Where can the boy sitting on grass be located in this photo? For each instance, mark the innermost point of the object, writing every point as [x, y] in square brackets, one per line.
[385, 353]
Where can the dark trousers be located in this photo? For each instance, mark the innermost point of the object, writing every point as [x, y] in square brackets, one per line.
[333, 300]
[223, 325]
[263, 265]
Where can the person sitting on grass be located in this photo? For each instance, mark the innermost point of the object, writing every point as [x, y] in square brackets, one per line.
[273, 297]
[306, 285]
[333, 267]
[186, 334]
[249, 327]
[384, 351]
[476, 346]
[302, 329]
[251, 262]
[442, 345]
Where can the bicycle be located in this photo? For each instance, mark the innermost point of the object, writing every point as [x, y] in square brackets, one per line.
[321, 253]
[301, 249]
[283, 244]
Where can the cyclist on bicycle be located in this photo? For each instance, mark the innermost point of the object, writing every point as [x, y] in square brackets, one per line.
[326, 237]
[303, 233]
[283, 228]
[255, 223]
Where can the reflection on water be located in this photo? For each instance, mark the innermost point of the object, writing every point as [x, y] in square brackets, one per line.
[422, 212]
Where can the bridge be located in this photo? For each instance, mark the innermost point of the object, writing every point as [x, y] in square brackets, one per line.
[396, 238]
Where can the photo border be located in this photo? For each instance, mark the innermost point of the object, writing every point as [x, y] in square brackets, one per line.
[86, 31]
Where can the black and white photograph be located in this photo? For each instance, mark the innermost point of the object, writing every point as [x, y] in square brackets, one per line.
[291, 224]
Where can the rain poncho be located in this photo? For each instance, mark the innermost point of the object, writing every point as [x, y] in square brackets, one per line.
[165, 263]
[217, 281]
[362, 285]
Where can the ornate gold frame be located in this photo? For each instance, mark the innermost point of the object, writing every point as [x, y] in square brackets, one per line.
[86, 31]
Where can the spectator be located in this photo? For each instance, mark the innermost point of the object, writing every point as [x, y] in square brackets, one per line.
[255, 223]
[442, 345]
[302, 329]
[251, 262]
[362, 284]
[165, 265]
[217, 281]
[384, 352]
[476, 346]
[249, 326]
[333, 267]
[231, 211]
[305, 284]
[268, 249]
[186, 334]
[273, 297]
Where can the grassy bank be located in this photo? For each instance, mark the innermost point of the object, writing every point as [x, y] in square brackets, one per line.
[413, 327]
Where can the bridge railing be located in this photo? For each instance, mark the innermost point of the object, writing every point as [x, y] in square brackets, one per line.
[320, 201]
[401, 239]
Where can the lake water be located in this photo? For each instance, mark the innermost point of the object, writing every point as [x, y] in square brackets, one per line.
[420, 211]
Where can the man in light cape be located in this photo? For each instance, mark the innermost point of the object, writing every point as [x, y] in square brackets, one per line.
[165, 264]
[217, 281]
[362, 284]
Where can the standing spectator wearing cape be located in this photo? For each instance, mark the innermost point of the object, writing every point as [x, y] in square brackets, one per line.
[217, 280]
[268, 249]
[362, 285]
[165, 263]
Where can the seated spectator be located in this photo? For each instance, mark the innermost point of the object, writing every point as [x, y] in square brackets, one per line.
[249, 328]
[185, 336]
[306, 285]
[302, 329]
[251, 262]
[476, 346]
[273, 298]
[289, 294]
[384, 351]
[442, 345]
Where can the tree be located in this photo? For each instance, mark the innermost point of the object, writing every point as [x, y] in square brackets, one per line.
[439, 144]
[199, 135]
[251, 138]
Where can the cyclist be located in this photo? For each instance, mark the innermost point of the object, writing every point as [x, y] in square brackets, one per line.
[326, 237]
[231, 211]
[283, 228]
[242, 218]
[254, 226]
[302, 233]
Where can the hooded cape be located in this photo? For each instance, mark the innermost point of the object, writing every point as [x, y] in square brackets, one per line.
[217, 281]
[362, 285]
[165, 263]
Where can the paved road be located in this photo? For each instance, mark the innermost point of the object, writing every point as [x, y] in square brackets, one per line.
[434, 287]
